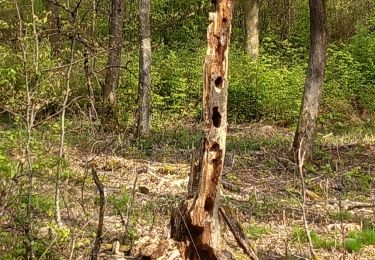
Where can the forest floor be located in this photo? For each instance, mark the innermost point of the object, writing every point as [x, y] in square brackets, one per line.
[145, 179]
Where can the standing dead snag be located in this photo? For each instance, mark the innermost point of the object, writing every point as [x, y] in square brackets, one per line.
[195, 222]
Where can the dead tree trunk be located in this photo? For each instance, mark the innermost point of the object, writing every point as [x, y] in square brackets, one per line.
[305, 133]
[195, 222]
[252, 32]
[116, 25]
[144, 98]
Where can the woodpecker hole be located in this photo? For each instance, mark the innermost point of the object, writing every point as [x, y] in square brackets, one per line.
[209, 204]
[216, 117]
[219, 82]
[215, 147]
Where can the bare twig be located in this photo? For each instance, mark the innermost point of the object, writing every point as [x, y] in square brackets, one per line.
[130, 207]
[341, 190]
[301, 159]
[90, 91]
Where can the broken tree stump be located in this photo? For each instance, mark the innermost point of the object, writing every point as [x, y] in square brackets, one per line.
[195, 222]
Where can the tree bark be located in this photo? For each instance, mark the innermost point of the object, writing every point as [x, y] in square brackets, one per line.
[305, 133]
[251, 27]
[116, 25]
[55, 28]
[195, 222]
[144, 98]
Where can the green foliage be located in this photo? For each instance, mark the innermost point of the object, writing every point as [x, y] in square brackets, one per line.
[317, 240]
[10, 142]
[354, 241]
[44, 205]
[120, 201]
[255, 232]
[261, 207]
[359, 178]
[344, 215]
[299, 234]
[358, 239]
[180, 24]
[320, 242]
[353, 245]
[263, 90]
[177, 81]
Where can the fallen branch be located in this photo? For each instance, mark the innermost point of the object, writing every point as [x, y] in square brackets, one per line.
[350, 205]
[237, 232]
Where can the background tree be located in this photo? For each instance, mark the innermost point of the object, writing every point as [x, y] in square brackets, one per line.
[55, 27]
[116, 26]
[251, 28]
[144, 96]
[305, 133]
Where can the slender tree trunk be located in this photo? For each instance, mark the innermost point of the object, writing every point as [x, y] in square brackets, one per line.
[305, 133]
[88, 66]
[116, 25]
[62, 138]
[55, 27]
[144, 99]
[195, 222]
[251, 26]
[90, 90]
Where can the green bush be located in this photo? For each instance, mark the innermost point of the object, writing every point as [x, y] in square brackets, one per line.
[264, 90]
[177, 82]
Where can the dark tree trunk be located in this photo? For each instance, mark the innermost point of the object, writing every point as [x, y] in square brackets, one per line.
[116, 25]
[197, 218]
[144, 98]
[305, 133]
[251, 26]
[55, 28]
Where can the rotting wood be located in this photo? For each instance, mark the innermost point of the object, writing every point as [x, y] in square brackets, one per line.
[195, 222]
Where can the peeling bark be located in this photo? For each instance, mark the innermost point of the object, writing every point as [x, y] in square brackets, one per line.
[195, 222]
[305, 133]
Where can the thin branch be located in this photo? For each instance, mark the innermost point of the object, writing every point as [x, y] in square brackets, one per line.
[99, 230]
[130, 207]
[301, 159]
